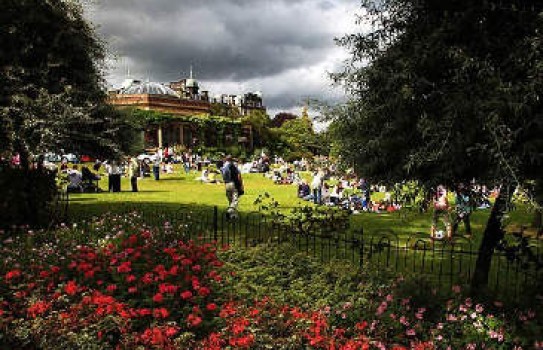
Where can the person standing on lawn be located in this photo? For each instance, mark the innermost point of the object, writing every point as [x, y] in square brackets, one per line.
[233, 185]
[316, 186]
[156, 164]
[133, 173]
[441, 210]
[464, 207]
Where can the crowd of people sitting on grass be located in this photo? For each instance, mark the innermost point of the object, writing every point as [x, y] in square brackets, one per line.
[346, 192]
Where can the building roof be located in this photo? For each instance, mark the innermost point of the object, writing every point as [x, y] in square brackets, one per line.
[150, 88]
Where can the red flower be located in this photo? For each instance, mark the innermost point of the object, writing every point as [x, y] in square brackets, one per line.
[160, 313]
[111, 288]
[186, 295]
[167, 288]
[124, 267]
[158, 298]
[147, 278]
[130, 278]
[204, 291]
[145, 312]
[171, 331]
[361, 325]
[12, 274]
[71, 288]
[174, 270]
[153, 336]
[211, 306]
[194, 320]
[38, 308]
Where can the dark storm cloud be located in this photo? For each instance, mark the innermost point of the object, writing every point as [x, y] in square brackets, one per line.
[224, 40]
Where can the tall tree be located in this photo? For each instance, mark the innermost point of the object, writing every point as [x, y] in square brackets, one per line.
[281, 118]
[446, 91]
[260, 124]
[51, 88]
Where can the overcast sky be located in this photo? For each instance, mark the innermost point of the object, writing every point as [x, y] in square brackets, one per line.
[284, 48]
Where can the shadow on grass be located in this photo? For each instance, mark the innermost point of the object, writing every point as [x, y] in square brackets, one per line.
[80, 211]
[80, 199]
[176, 178]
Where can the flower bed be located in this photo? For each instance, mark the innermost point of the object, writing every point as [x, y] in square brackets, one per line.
[132, 286]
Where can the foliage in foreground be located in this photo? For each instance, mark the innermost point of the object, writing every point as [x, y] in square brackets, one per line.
[132, 286]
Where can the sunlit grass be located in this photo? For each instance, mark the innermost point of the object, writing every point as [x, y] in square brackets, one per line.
[179, 189]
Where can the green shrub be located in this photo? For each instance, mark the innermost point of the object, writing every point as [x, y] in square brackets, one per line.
[287, 276]
[26, 197]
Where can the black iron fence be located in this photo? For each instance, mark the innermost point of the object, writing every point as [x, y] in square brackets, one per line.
[443, 263]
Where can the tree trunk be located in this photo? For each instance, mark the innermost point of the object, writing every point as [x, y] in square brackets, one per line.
[538, 215]
[493, 234]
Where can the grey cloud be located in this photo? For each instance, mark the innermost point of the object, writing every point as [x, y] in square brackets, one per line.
[224, 40]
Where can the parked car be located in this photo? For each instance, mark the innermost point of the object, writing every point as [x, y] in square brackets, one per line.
[51, 157]
[147, 157]
[70, 158]
[55, 158]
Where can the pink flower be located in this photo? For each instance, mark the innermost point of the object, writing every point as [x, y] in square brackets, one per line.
[410, 332]
[382, 308]
[479, 308]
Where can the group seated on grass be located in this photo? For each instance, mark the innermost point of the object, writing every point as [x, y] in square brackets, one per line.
[349, 195]
[210, 175]
[82, 181]
[285, 176]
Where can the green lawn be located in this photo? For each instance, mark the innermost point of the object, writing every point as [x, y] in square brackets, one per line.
[176, 190]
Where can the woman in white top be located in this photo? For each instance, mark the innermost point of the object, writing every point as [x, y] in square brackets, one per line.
[316, 187]
[114, 177]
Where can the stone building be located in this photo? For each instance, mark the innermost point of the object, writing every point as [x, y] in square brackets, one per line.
[183, 101]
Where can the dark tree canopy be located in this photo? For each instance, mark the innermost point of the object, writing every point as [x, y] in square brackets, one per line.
[445, 91]
[51, 87]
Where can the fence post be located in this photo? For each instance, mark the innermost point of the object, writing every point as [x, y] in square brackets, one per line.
[215, 223]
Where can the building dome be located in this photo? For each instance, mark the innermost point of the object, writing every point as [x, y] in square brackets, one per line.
[149, 88]
[191, 83]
